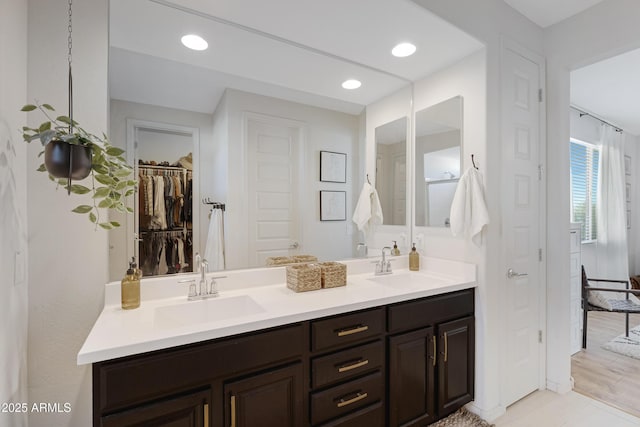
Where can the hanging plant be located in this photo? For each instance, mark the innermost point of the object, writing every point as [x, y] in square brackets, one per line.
[73, 153]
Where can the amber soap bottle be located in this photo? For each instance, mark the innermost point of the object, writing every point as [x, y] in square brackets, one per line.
[414, 259]
[130, 289]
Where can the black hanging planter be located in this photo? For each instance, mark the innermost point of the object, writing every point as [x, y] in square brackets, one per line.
[64, 160]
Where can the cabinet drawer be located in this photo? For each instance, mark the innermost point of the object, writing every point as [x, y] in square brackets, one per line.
[428, 311]
[346, 329]
[346, 363]
[342, 399]
[129, 381]
[371, 416]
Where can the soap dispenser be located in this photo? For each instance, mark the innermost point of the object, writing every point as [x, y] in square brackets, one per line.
[414, 259]
[395, 251]
[137, 271]
[130, 288]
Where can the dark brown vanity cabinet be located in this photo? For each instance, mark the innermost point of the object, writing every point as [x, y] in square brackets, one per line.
[405, 364]
[272, 398]
[431, 369]
[190, 410]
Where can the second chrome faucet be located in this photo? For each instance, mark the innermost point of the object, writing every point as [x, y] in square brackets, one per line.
[384, 265]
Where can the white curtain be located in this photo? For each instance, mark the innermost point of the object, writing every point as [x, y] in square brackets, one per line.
[612, 253]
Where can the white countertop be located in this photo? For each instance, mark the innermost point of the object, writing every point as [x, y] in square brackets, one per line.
[154, 325]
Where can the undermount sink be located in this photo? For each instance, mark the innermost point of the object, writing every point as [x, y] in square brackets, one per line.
[210, 310]
[407, 280]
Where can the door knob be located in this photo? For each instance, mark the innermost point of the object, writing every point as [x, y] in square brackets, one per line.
[294, 245]
[511, 274]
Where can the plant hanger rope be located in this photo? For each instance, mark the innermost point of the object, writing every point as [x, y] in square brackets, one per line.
[69, 60]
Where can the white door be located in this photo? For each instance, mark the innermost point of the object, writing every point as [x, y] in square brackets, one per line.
[273, 167]
[521, 222]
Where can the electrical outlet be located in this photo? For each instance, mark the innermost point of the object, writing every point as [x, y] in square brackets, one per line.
[18, 268]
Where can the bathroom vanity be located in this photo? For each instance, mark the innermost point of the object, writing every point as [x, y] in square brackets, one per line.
[383, 351]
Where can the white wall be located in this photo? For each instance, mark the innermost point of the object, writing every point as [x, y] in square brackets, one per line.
[325, 130]
[67, 257]
[489, 21]
[120, 111]
[602, 31]
[13, 210]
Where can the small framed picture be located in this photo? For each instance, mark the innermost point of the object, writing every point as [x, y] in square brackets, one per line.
[333, 167]
[333, 205]
[627, 191]
[628, 219]
[627, 165]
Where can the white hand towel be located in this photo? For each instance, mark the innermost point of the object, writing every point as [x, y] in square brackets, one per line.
[214, 251]
[368, 212]
[469, 212]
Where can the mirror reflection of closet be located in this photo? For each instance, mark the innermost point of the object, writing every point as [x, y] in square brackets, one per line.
[391, 170]
[437, 161]
[164, 210]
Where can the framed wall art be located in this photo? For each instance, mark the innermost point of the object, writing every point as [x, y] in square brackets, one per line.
[333, 205]
[333, 167]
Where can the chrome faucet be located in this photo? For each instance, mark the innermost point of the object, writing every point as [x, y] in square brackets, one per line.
[204, 291]
[383, 266]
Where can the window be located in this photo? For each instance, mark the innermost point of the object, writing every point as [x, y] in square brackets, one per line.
[584, 184]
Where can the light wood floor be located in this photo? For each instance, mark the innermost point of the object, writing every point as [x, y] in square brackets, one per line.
[604, 375]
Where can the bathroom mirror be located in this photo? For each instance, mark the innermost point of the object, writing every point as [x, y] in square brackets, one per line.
[437, 161]
[265, 99]
[391, 170]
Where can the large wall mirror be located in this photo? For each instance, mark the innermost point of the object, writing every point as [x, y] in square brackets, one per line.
[265, 98]
[437, 157]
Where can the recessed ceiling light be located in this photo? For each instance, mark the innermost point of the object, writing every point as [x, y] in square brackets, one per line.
[403, 50]
[194, 42]
[351, 84]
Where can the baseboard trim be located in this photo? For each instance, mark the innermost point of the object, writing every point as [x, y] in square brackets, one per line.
[486, 414]
[559, 388]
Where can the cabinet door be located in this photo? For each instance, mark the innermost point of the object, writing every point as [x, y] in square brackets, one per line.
[456, 351]
[190, 410]
[412, 362]
[269, 399]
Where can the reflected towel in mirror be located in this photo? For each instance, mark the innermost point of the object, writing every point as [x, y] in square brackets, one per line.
[214, 251]
[368, 212]
[469, 212]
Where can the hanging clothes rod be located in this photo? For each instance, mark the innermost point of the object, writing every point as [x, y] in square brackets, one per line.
[584, 113]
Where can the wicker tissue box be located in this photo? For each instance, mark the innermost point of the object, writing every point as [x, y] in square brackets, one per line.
[304, 277]
[304, 258]
[278, 260]
[334, 274]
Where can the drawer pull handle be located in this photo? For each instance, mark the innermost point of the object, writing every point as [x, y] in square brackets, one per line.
[358, 364]
[356, 398]
[233, 411]
[351, 331]
[206, 415]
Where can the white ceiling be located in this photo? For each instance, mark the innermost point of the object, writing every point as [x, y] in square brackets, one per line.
[148, 64]
[548, 12]
[611, 90]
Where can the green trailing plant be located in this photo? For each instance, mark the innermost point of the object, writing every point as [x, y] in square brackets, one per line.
[110, 174]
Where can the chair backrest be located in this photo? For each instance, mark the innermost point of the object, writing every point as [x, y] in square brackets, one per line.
[585, 284]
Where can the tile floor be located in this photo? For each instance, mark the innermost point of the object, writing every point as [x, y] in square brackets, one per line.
[548, 409]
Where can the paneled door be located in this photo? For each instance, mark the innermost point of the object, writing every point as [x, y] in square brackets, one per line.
[273, 148]
[521, 223]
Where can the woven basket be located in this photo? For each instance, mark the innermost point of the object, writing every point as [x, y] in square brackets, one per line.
[334, 274]
[278, 260]
[304, 258]
[304, 277]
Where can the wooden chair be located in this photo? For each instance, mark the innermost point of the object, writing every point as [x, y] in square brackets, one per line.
[625, 306]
